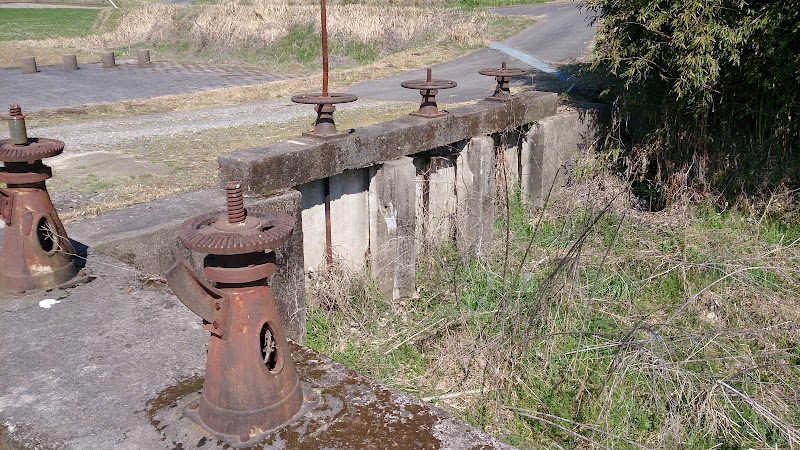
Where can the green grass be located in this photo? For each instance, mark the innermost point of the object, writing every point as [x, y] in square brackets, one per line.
[40, 23]
[620, 327]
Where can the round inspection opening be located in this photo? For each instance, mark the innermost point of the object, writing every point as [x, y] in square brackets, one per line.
[47, 235]
[270, 350]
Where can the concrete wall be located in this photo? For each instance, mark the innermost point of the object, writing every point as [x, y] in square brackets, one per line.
[383, 216]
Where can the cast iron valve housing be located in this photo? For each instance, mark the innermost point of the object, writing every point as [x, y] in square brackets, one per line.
[36, 252]
[251, 388]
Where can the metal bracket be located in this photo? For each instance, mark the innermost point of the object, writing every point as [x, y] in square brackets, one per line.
[208, 302]
[6, 205]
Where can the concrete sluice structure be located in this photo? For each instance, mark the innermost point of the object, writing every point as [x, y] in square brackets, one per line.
[113, 363]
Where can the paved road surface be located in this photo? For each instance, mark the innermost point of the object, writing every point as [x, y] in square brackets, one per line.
[562, 35]
[54, 87]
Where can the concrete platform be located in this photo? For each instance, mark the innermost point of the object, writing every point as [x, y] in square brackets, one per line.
[109, 364]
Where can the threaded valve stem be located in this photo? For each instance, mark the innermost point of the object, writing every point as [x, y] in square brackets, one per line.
[235, 202]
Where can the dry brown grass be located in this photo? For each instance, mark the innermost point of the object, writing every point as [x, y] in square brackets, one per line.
[231, 25]
[191, 160]
[387, 66]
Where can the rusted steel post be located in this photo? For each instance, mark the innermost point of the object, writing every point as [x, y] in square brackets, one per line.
[324, 127]
[503, 76]
[428, 88]
[251, 388]
[36, 252]
[324, 35]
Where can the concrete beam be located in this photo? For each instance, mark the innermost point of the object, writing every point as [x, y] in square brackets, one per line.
[294, 162]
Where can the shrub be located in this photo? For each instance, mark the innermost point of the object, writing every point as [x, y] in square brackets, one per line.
[711, 87]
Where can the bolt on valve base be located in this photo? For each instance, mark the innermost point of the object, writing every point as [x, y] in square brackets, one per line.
[251, 388]
[36, 252]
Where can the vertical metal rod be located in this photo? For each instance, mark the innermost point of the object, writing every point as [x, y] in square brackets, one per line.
[324, 20]
[328, 235]
[430, 74]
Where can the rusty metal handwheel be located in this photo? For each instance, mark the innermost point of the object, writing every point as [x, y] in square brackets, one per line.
[429, 85]
[504, 72]
[319, 99]
[37, 148]
[212, 233]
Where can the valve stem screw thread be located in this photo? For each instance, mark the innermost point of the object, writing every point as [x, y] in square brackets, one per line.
[235, 202]
[16, 125]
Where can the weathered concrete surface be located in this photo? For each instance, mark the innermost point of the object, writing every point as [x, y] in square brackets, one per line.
[350, 217]
[291, 163]
[436, 213]
[79, 374]
[112, 363]
[313, 214]
[143, 236]
[551, 148]
[356, 413]
[475, 193]
[392, 225]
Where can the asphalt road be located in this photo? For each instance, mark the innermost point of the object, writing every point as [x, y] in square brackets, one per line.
[563, 34]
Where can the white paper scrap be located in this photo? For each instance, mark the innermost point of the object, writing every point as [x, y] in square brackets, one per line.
[48, 302]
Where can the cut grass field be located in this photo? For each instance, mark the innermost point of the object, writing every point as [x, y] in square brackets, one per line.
[19, 24]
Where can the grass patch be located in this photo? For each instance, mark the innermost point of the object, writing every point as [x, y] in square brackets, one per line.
[18, 24]
[603, 327]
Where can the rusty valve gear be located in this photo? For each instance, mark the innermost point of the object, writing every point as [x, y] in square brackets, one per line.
[503, 75]
[429, 88]
[324, 127]
[251, 388]
[36, 252]
[37, 148]
[212, 233]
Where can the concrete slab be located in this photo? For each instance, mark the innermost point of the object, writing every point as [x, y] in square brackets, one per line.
[475, 191]
[550, 149]
[313, 214]
[349, 192]
[109, 364]
[392, 225]
[263, 169]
